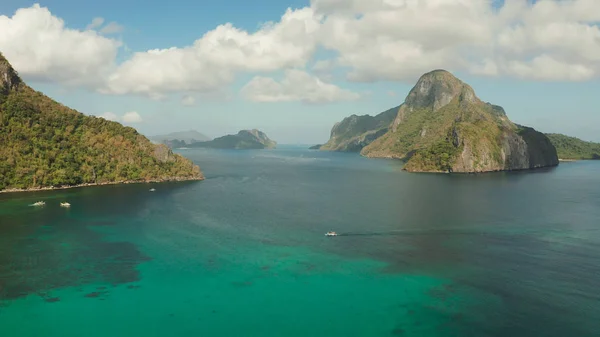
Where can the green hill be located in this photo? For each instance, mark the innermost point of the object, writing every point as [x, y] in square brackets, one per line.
[46, 144]
[574, 148]
[443, 127]
[243, 140]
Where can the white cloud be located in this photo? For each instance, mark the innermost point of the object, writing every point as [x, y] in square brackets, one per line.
[130, 117]
[96, 23]
[401, 39]
[370, 40]
[214, 59]
[41, 48]
[296, 85]
[112, 28]
[111, 116]
[188, 100]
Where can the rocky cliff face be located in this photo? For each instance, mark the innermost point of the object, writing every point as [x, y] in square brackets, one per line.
[355, 132]
[444, 127]
[9, 79]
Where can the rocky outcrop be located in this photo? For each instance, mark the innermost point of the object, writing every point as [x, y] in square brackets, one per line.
[243, 140]
[355, 132]
[444, 127]
[163, 153]
[9, 79]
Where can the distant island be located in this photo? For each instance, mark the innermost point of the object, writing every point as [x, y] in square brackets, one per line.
[571, 148]
[47, 145]
[444, 127]
[243, 140]
[180, 139]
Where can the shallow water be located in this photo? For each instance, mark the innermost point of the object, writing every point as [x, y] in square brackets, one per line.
[243, 253]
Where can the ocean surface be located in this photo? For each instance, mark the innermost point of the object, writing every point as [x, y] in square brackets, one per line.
[243, 252]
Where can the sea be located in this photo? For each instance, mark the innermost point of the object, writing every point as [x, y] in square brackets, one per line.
[243, 253]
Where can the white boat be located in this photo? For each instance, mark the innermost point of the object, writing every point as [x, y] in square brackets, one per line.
[152, 190]
[65, 204]
[39, 203]
[331, 234]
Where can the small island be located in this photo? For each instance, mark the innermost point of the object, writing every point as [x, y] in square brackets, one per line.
[442, 126]
[46, 145]
[179, 139]
[243, 140]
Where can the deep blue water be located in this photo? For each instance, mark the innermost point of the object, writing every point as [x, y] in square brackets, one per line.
[243, 253]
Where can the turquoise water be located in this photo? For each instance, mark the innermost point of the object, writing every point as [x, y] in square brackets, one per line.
[243, 253]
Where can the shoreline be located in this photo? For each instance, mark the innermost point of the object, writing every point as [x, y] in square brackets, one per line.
[53, 188]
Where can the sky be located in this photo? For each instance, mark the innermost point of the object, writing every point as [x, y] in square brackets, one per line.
[294, 68]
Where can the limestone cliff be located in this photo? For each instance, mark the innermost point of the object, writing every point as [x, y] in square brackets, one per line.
[355, 132]
[444, 127]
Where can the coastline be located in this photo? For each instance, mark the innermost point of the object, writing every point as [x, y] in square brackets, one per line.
[52, 188]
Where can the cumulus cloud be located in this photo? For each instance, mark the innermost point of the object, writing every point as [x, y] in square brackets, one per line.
[401, 39]
[96, 23]
[41, 48]
[111, 116]
[214, 59]
[367, 40]
[188, 100]
[130, 117]
[112, 28]
[297, 85]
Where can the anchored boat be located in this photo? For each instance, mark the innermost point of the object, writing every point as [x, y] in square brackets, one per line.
[65, 204]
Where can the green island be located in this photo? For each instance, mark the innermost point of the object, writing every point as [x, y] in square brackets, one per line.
[48, 145]
[571, 148]
[444, 127]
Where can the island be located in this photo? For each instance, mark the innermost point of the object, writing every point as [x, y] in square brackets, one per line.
[355, 132]
[46, 145]
[442, 126]
[571, 148]
[243, 140]
[179, 139]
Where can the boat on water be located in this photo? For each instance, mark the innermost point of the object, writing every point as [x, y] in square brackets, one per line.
[331, 234]
[152, 190]
[65, 204]
[39, 203]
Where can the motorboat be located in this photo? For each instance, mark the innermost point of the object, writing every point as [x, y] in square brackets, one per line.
[152, 190]
[39, 203]
[331, 234]
[65, 204]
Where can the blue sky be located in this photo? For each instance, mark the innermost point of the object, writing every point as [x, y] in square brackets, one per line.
[540, 62]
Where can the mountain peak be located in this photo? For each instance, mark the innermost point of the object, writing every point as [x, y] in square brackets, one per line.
[9, 78]
[437, 88]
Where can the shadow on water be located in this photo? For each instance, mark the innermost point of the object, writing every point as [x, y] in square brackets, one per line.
[42, 249]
